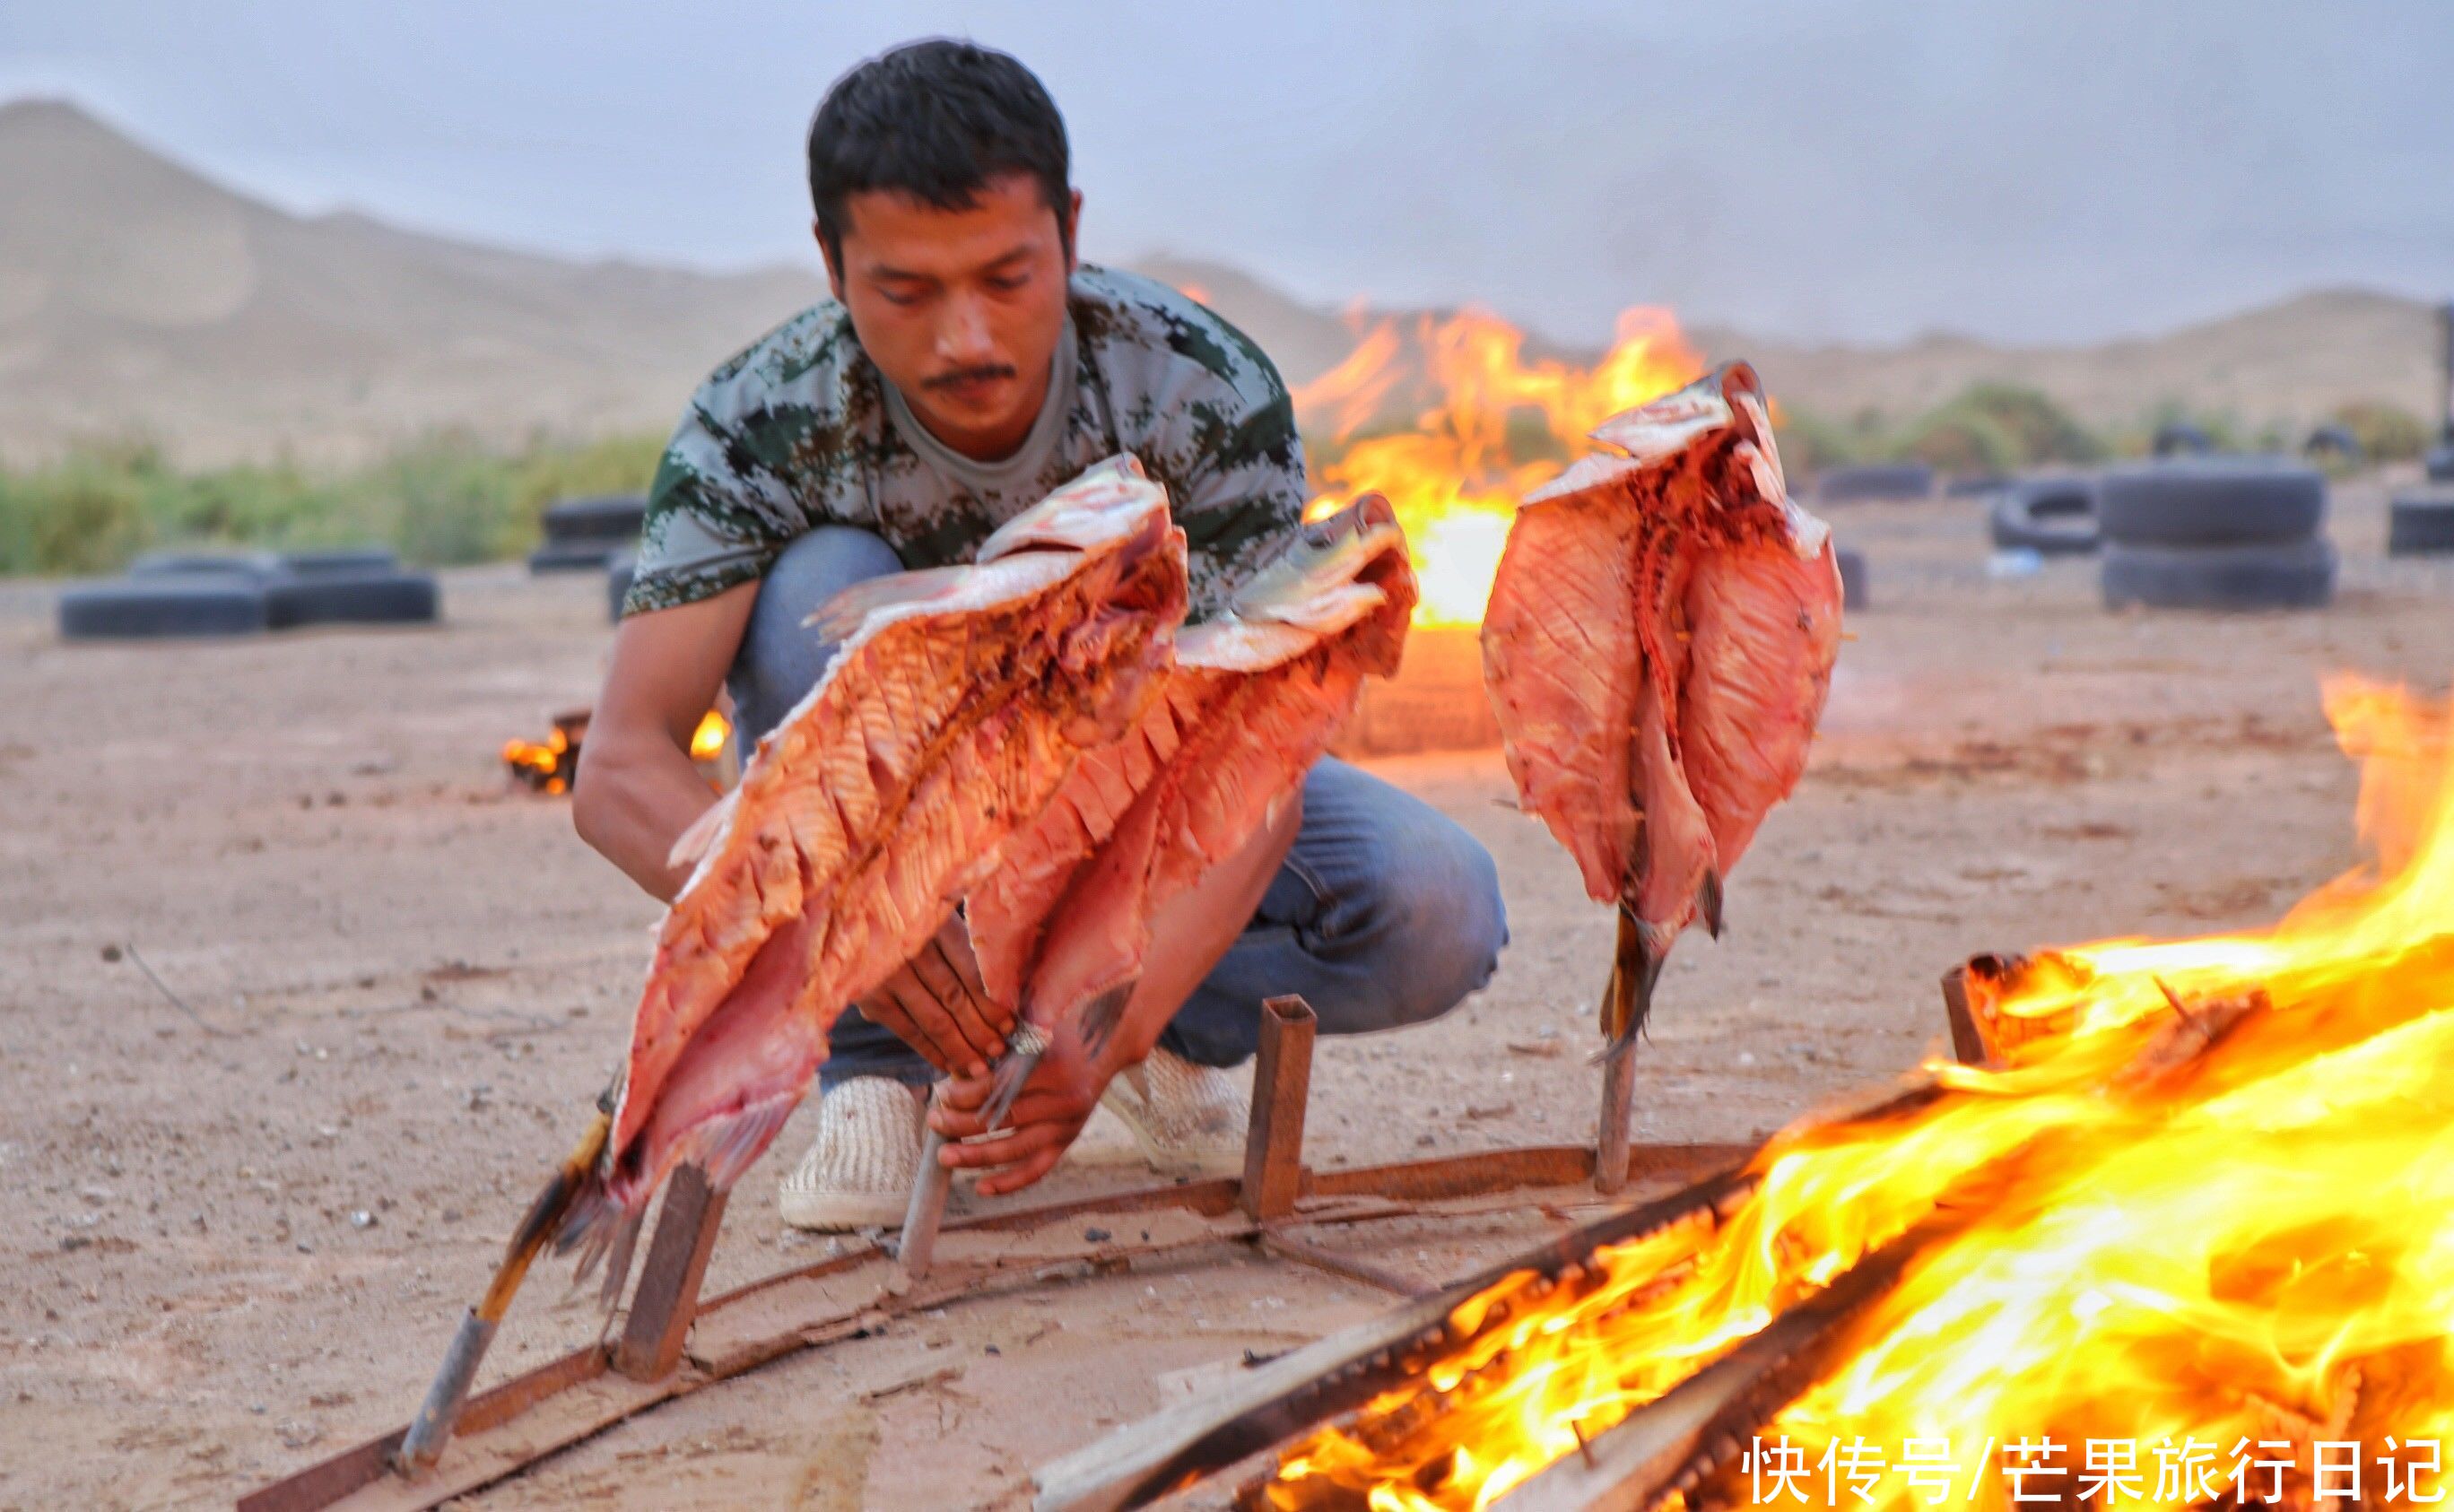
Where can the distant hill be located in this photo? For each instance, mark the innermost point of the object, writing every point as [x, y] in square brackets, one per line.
[138, 297]
[2294, 362]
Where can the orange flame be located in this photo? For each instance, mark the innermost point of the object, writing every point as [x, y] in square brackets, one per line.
[707, 741]
[1497, 427]
[539, 764]
[2202, 1202]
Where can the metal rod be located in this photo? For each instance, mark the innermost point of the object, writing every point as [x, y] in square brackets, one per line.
[1610, 1139]
[1968, 1041]
[926, 1210]
[346, 1471]
[1281, 1086]
[1344, 1266]
[437, 1415]
[666, 1301]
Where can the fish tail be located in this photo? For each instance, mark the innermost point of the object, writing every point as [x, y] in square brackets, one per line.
[1628, 1001]
[1023, 1049]
[575, 1186]
[1101, 1014]
[617, 1261]
[1708, 903]
[1014, 1068]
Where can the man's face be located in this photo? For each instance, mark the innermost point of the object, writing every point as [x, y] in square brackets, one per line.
[961, 308]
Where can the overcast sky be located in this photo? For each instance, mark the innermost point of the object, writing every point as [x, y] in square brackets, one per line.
[1849, 169]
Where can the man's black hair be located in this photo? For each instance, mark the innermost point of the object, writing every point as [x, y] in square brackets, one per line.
[936, 120]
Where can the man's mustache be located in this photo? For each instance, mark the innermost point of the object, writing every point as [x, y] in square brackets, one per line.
[948, 379]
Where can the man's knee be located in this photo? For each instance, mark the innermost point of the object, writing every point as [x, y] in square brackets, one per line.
[1430, 907]
[781, 658]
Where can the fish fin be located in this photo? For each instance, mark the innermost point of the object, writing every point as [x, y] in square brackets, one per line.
[843, 615]
[727, 1147]
[617, 1263]
[1101, 1014]
[589, 1230]
[1013, 1070]
[691, 845]
[1708, 903]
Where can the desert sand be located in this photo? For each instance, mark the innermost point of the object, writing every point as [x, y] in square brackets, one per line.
[241, 1230]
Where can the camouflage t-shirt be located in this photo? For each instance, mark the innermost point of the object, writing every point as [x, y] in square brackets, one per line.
[802, 429]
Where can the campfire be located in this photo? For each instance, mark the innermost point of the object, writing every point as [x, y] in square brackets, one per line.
[1491, 426]
[2181, 1240]
[550, 765]
[1453, 424]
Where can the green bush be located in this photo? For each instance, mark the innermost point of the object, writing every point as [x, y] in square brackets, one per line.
[2040, 431]
[1810, 442]
[445, 499]
[76, 518]
[2385, 433]
[1961, 440]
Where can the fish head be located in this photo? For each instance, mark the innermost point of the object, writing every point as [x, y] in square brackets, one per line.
[1113, 503]
[1661, 428]
[1361, 544]
[1730, 398]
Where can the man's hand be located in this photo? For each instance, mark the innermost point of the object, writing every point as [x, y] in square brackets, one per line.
[1044, 1123]
[936, 1005]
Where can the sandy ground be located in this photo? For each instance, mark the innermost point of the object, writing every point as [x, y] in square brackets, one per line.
[242, 1231]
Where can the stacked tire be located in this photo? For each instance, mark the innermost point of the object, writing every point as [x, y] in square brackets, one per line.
[2421, 524]
[2052, 517]
[1874, 480]
[2214, 533]
[585, 534]
[185, 594]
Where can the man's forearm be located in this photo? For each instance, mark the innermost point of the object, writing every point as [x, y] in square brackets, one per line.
[632, 800]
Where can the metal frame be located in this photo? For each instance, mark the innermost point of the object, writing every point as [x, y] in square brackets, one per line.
[1662, 1447]
[672, 1344]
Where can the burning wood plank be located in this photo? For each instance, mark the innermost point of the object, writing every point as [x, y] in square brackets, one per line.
[2180, 1201]
[1182, 1444]
[1701, 1424]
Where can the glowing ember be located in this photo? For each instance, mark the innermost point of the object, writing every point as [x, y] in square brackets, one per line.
[707, 741]
[548, 765]
[2203, 1211]
[551, 765]
[1497, 427]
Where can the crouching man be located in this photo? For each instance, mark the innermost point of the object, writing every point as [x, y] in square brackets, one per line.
[965, 367]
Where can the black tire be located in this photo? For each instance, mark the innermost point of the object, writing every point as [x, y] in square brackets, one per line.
[342, 559]
[255, 566]
[2050, 516]
[1975, 486]
[2294, 575]
[613, 519]
[165, 606]
[574, 556]
[617, 584]
[2421, 524]
[2333, 440]
[2440, 463]
[1874, 480]
[1853, 579]
[2210, 501]
[2181, 438]
[353, 599]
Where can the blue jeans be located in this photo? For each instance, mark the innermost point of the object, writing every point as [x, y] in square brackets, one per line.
[1385, 912]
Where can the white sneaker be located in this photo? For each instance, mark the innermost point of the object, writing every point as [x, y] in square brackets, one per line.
[1188, 1120]
[860, 1172]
